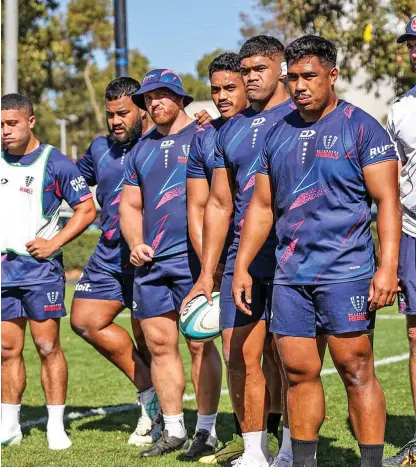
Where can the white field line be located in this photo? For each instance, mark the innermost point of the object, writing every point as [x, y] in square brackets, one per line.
[187, 397]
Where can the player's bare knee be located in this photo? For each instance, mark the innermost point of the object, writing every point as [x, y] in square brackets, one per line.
[47, 348]
[299, 374]
[10, 351]
[196, 349]
[411, 335]
[357, 372]
[161, 346]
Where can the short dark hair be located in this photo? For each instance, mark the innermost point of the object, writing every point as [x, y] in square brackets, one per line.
[123, 86]
[312, 46]
[229, 61]
[267, 46]
[16, 101]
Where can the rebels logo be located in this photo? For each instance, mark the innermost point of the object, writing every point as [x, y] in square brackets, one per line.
[257, 122]
[329, 141]
[358, 304]
[78, 183]
[29, 180]
[52, 298]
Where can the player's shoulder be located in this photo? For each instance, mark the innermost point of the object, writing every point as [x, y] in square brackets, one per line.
[57, 159]
[405, 102]
[357, 116]
[100, 144]
[202, 131]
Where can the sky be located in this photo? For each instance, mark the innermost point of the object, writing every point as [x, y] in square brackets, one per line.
[177, 33]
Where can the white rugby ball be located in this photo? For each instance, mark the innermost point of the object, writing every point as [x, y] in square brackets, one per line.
[199, 321]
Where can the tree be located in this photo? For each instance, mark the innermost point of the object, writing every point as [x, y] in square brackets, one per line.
[348, 24]
[203, 63]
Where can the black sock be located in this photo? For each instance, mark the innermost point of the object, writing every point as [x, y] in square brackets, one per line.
[371, 454]
[237, 426]
[304, 452]
[273, 421]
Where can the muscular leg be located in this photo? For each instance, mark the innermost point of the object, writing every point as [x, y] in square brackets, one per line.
[274, 385]
[161, 334]
[206, 375]
[306, 403]
[54, 372]
[352, 354]
[92, 319]
[13, 375]
[242, 349]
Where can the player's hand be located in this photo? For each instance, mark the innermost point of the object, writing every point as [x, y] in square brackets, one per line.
[205, 286]
[203, 117]
[218, 276]
[242, 285]
[141, 254]
[41, 248]
[384, 286]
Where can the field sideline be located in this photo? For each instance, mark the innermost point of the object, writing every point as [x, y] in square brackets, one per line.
[100, 430]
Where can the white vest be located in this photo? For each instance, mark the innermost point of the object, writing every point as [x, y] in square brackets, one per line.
[21, 205]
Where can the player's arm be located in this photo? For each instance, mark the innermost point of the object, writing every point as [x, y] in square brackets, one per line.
[381, 182]
[85, 165]
[258, 223]
[131, 216]
[197, 191]
[217, 216]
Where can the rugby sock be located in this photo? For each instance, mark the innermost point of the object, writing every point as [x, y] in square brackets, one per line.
[255, 446]
[286, 446]
[273, 421]
[55, 418]
[207, 422]
[175, 425]
[371, 454]
[149, 403]
[304, 452]
[10, 419]
[237, 425]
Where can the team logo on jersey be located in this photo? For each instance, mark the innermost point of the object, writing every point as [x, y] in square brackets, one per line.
[53, 306]
[358, 304]
[185, 149]
[29, 180]
[257, 122]
[329, 141]
[4, 181]
[167, 144]
[306, 134]
[379, 150]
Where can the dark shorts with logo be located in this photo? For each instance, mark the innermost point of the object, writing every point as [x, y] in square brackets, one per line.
[97, 283]
[407, 275]
[37, 302]
[331, 309]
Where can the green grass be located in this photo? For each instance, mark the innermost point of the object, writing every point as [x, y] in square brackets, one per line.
[102, 440]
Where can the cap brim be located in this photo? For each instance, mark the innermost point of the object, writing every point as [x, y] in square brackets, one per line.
[405, 37]
[138, 96]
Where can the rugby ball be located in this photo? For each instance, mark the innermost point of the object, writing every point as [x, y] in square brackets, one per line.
[199, 321]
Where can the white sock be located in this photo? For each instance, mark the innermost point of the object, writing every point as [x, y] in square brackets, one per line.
[207, 422]
[286, 446]
[149, 403]
[255, 445]
[55, 418]
[175, 425]
[10, 418]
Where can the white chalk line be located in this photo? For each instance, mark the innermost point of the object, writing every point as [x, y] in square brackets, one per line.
[73, 415]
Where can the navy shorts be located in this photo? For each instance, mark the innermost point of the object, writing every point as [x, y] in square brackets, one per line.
[96, 283]
[407, 275]
[163, 284]
[37, 302]
[261, 298]
[330, 309]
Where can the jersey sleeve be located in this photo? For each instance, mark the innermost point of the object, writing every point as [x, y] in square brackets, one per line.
[195, 164]
[131, 174]
[374, 144]
[70, 184]
[86, 167]
[391, 130]
[221, 160]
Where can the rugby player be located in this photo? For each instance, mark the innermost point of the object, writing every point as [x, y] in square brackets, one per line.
[153, 221]
[106, 284]
[236, 158]
[320, 167]
[401, 128]
[35, 178]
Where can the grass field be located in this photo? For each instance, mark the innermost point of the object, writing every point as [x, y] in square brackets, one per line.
[101, 440]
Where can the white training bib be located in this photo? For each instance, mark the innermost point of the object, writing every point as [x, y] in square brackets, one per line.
[21, 205]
